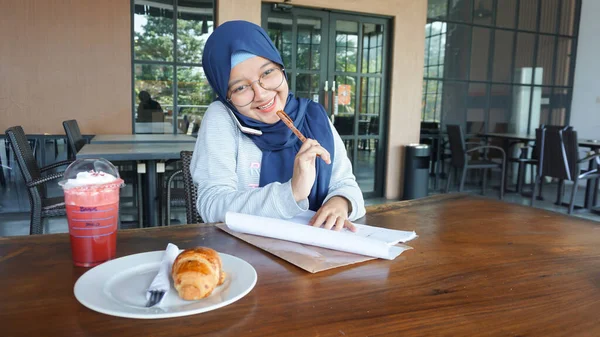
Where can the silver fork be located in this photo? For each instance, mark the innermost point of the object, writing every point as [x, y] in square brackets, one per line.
[155, 297]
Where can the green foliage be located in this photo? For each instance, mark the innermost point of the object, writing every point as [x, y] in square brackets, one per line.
[435, 42]
[436, 8]
[155, 42]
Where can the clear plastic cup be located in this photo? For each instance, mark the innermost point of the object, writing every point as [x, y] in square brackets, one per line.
[92, 203]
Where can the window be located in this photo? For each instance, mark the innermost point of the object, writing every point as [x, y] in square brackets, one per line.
[170, 90]
[435, 43]
[499, 65]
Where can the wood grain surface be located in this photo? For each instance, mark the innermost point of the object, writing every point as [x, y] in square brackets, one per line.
[479, 267]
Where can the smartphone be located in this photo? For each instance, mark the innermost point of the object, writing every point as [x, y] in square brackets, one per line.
[242, 128]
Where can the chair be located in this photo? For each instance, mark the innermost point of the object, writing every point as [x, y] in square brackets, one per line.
[523, 160]
[182, 126]
[41, 206]
[74, 137]
[2, 178]
[76, 142]
[460, 161]
[559, 158]
[175, 196]
[345, 126]
[499, 128]
[7, 151]
[190, 194]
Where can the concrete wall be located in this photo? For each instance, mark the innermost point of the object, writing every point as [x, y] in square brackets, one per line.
[585, 108]
[65, 60]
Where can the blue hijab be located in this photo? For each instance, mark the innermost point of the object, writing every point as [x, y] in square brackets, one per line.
[278, 144]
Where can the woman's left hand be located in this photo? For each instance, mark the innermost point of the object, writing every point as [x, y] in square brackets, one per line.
[333, 215]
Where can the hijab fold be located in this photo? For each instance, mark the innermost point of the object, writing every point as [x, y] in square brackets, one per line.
[279, 145]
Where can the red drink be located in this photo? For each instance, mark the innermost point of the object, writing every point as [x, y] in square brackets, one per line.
[93, 215]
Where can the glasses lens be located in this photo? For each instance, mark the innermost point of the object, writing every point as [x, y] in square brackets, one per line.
[272, 79]
[242, 97]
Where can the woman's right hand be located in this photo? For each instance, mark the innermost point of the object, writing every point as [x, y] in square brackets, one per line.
[305, 169]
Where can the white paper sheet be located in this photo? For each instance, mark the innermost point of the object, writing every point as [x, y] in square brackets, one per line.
[368, 240]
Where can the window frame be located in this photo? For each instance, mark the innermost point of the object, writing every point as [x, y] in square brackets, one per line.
[174, 63]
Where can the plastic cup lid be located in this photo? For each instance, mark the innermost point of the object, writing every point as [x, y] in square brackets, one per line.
[90, 172]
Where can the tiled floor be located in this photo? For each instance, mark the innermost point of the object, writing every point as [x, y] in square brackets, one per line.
[549, 195]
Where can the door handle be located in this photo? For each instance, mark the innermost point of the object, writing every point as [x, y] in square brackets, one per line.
[326, 96]
[334, 100]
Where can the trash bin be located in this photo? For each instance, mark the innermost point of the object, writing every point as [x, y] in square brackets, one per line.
[416, 171]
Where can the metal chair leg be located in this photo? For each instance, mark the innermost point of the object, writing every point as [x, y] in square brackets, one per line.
[484, 182]
[520, 176]
[502, 179]
[449, 179]
[535, 188]
[560, 192]
[462, 179]
[573, 192]
[2, 178]
[139, 202]
[160, 198]
[168, 204]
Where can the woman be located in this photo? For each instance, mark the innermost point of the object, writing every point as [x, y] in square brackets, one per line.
[246, 160]
[146, 107]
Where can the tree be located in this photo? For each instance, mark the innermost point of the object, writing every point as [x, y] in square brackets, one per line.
[155, 42]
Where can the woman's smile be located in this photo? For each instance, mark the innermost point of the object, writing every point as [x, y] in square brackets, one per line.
[269, 107]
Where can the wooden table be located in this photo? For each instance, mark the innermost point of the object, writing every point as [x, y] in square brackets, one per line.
[149, 154]
[479, 267]
[156, 138]
[520, 137]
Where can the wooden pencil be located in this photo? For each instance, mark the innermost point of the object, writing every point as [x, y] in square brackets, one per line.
[290, 124]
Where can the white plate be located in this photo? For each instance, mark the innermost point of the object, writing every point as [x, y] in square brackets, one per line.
[118, 287]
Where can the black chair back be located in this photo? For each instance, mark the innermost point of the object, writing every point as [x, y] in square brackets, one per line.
[74, 137]
[557, 161]
[570, 147]
[191, 191]
[457, 145]
[344, 125]
[374, 125]
[539, 138]
[25, 158]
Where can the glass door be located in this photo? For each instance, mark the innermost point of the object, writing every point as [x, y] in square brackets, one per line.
[357, 69]
[300, 35]
[339, 60]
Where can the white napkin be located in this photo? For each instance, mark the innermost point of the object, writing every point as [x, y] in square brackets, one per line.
[368, 240]
[162, 280]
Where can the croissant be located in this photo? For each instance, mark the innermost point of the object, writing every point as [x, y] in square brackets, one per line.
[197, 272]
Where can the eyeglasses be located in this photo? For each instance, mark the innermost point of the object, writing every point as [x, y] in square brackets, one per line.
[243, 94]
